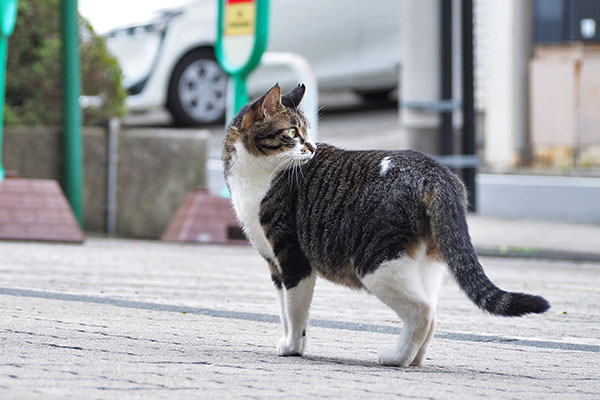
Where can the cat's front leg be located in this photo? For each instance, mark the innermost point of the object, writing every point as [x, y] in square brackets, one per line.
[297, 296]
[278, 282]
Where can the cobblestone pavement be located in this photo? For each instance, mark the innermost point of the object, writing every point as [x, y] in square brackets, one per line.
[140, 319]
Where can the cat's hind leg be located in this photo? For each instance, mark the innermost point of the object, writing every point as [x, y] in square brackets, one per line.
[423, 349]
[432, 272]
[398, 284]
[297, 301]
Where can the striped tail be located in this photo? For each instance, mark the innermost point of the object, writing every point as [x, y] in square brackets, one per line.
[446, 211]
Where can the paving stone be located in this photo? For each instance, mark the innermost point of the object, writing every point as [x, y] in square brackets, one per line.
[141, 319]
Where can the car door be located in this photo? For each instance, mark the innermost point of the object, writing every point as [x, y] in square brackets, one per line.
[324, 32]
[378, 44]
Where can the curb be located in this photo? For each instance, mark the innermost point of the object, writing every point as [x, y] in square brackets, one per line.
[541, 254]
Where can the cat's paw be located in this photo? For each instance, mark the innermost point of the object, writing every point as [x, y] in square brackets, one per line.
[290, 347]
[392, 357]
[418, 361]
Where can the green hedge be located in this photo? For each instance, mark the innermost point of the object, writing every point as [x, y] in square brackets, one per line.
[34, 69]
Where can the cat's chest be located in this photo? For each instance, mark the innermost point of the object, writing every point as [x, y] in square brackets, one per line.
[247, 193]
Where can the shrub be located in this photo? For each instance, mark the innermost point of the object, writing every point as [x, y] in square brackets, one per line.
[34, 69]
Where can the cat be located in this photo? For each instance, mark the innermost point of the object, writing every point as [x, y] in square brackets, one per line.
[388, 222]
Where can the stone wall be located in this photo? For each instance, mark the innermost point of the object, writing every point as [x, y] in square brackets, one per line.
[155, 169]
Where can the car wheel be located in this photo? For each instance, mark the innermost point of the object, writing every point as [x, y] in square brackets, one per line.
[197, 90]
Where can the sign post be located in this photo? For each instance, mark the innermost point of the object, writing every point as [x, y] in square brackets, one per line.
[8, 16]
[242, 31]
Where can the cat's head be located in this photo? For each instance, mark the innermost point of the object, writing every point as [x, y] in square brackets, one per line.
[273, 129]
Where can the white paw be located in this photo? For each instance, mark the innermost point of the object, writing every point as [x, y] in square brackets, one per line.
[290, 346]
[418, 361]
[392, 357]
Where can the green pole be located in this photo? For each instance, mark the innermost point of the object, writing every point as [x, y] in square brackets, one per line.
[240, 93]
[239, 73]
[3, 46]
[8, 16]
[72, 145]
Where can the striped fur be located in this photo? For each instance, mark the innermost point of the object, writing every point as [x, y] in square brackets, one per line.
[374, 220]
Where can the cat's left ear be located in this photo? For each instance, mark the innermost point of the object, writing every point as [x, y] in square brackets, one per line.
[293, 98]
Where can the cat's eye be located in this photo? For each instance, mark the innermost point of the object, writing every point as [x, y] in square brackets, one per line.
[291, 132]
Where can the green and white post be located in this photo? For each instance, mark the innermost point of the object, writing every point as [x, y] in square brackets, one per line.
[72, 141]
[242, 31]
[8, 16]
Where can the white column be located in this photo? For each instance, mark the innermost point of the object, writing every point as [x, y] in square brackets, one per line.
[419, 75]
[507, 94]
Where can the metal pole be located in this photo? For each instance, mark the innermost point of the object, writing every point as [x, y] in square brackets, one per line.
[237, 96]
[468, 110]
[72, 144]
[8, 16]
[114, 126]
[447, 140]
[3, 46]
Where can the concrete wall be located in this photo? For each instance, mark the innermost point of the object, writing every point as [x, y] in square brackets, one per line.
[155, 169]
[565, 98]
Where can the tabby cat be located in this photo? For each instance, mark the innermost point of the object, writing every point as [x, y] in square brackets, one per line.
[383, 221]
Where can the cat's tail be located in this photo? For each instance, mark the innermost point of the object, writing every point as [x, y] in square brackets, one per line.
[445, 206]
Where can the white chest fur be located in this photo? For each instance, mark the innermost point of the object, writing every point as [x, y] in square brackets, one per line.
[249, 180]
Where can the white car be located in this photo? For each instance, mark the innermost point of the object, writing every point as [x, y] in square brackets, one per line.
[169, 62]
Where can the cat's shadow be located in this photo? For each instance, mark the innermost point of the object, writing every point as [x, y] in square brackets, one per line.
[342, 361]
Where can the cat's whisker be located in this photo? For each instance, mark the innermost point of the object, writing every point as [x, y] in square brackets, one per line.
[292, 172]
[278, 167]
[319, 113]
[296, 174]
[300, 164]
[282, 165]
[288, 161]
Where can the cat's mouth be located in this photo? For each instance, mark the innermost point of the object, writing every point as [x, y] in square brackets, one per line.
[308, 152]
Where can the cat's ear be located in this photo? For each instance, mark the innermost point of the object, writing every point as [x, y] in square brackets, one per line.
[271, 103]
[250, 117]
[265, 106]
[293, 98]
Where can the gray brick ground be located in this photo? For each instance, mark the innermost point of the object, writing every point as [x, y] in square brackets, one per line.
[133, 319]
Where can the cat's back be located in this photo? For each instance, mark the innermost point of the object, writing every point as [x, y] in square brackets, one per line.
[372, 182]
[372, 167]
[363, 206]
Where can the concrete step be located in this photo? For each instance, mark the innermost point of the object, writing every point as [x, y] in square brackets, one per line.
[557, 198]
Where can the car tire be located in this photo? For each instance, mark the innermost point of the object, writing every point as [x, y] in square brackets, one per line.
[197, 90]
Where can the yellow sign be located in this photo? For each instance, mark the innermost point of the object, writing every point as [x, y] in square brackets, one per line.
[240, 17]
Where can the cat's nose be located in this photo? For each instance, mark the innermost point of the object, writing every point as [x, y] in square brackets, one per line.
[310, 147]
